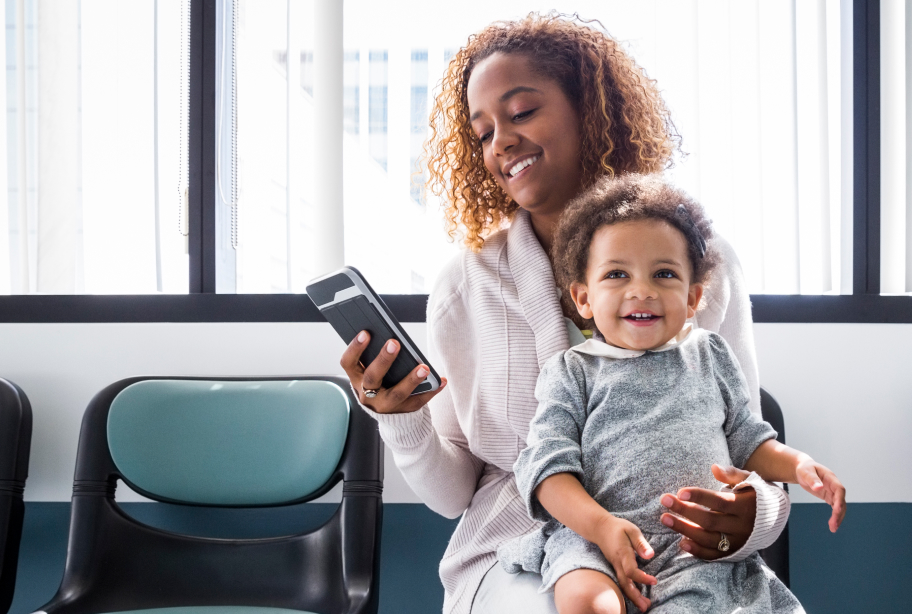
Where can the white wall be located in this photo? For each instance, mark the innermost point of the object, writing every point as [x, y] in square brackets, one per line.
[845, 389]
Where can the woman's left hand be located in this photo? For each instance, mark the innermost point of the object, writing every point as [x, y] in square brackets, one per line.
[729, 513]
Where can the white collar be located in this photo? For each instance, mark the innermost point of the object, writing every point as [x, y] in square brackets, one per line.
[594, 347]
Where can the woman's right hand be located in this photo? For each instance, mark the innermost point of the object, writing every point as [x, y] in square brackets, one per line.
[395, 400]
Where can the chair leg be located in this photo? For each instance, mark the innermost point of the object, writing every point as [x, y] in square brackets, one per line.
[777, 557]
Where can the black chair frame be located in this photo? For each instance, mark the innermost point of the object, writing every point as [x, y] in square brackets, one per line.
[116, 563]
[15, 442]
[777, 555]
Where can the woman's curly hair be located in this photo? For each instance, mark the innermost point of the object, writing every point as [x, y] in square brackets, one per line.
[624, 125]
[625, 199]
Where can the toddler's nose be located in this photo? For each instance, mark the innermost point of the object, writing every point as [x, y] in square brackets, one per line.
[640, 289]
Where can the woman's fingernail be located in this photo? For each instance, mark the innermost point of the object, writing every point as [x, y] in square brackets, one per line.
[422, 372]
[667, 521]
[391, 347]
[684, 496]
[685, 546]
[667, 501]
[362, 336]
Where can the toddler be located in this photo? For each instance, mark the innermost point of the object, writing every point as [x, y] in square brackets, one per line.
[646, 406]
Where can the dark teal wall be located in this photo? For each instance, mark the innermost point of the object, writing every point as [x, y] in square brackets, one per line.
[863, 568]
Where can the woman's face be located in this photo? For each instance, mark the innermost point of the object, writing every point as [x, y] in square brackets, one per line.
[529, 132]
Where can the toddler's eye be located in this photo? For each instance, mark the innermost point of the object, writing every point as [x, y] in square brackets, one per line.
[616, 275]
[665, 274]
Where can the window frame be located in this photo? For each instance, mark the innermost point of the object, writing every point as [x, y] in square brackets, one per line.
[204, 304]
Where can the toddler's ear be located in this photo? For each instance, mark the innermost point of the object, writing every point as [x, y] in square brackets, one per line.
[580, 294]
[693, 299]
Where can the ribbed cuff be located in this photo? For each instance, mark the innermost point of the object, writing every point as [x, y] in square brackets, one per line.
[773, 507]
[403, 433]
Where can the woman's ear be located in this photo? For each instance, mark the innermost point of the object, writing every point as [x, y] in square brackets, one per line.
[580, 294]
[693, 299]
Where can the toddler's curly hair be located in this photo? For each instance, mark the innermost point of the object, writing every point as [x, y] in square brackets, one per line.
[613, 200]
[624, 124]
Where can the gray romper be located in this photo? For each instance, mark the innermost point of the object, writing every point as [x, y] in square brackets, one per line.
[632, 428]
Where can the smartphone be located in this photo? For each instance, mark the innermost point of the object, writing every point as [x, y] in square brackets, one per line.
[348, 302]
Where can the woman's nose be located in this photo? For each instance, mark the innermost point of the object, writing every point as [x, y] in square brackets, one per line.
[503, 139]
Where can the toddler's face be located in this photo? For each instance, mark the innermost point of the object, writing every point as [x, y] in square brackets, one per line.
[638, 287]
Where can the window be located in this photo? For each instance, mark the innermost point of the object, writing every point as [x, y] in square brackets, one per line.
[95, 163]
[795, 183]
[272, 67]
[758, 91]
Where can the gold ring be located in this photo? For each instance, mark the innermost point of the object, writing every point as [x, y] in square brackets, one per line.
[724, 544]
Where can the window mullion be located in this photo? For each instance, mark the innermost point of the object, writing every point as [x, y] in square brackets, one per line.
[866, 73]
[202, 145]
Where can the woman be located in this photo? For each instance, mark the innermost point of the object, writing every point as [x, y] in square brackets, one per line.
[530, 113]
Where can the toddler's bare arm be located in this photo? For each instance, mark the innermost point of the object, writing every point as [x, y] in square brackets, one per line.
[777, 462]
[620, 541]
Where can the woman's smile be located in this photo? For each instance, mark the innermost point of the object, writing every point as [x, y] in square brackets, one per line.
[519, 167]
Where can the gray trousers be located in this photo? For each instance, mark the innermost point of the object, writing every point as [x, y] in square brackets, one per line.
[507, 593]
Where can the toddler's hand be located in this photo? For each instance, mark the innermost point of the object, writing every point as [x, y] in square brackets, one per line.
[620, 541]
[823, 483]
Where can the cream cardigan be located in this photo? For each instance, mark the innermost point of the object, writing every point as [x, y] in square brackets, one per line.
[493, 319]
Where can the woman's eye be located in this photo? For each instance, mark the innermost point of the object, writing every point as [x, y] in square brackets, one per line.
[484, 138]
[665, 275]
[524, 114]
[616, 275]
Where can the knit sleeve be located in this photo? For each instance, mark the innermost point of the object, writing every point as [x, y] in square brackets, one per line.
[773, 508]
[555, 432]
[744, 430]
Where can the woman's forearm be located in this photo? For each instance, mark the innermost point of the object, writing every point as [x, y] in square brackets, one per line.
[775, 462]
[433, 458]
[773, 509]
[443, 475]
[564, 497]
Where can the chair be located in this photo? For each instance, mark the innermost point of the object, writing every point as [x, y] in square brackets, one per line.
[224, 442]
[15, 441]
[777, 555]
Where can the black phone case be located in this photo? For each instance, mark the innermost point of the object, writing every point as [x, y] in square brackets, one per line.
[356, 313]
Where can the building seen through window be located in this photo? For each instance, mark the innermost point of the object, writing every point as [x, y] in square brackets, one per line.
[378, 122]
[419, 122]
[351, 96]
